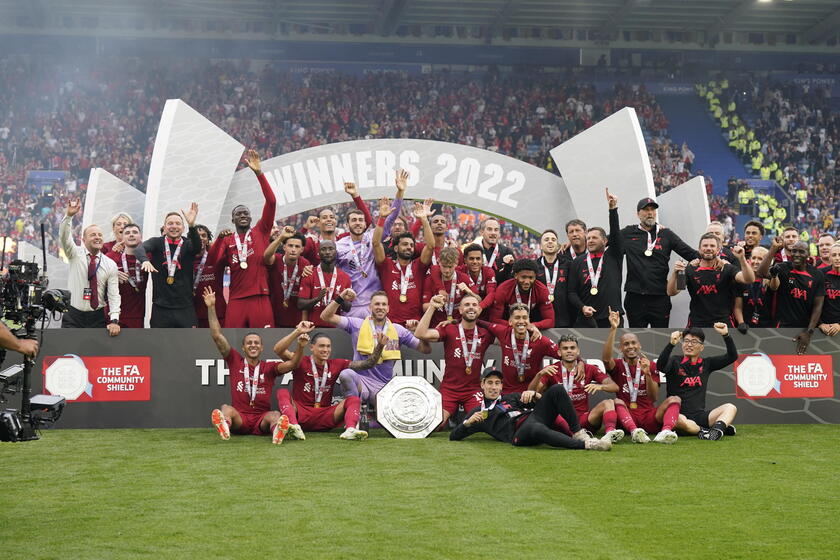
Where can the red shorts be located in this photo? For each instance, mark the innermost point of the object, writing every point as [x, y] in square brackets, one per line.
[645, 418]
[249, 313]
[451, 400]
[251, 424]
[583, 418]
[131, 322]
[313, 419]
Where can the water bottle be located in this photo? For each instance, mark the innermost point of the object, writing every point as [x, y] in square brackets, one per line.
[364, 418]
[681, 279]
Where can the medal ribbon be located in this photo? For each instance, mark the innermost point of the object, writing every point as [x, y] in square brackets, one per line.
[199, 270]
[568, 378]
[450, 303]
[633, 380]
[519, 298]
[405, 278]
[471, 355]
[242, 246]
[172, 261]
[595, 275]
[490, 406]
[134, 281]
[356, 257]
[289, 285]
[520, 359]
[492, 257]
[251, 383]
[331, 289]
[654, 237]
[319, 383]
[551, 279]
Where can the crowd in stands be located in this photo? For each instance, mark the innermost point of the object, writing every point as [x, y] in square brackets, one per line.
[55, 115]
[786, 132]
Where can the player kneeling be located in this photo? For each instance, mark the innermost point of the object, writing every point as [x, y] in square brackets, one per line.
[525, 419]
[251, 381]
[309, 406]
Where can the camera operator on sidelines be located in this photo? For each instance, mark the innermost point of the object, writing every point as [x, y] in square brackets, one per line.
[9, 341]
[92, 278]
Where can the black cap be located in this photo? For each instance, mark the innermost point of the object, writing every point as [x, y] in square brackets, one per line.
[491, 371]
[646, 202]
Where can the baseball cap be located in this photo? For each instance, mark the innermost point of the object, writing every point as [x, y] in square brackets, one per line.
[491, 371]
[646, 202]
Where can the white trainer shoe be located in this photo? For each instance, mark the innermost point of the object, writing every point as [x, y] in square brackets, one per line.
[598, 444]
[613, 436]
[296, 432]
[583, 435]
[353, 433]
[639, 436]
[666, 436]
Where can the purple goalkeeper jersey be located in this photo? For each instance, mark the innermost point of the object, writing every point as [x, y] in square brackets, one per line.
[384, 371]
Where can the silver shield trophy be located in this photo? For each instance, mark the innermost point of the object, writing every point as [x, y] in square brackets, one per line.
[409, 407]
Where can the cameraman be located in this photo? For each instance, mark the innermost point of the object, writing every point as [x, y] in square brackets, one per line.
[92, 278]
[23, 345]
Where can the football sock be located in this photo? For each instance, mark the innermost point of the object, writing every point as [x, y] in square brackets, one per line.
[610, 418]
[561, 425]
[351, 411]
[284, 401]
[624, 417]
[669, 419]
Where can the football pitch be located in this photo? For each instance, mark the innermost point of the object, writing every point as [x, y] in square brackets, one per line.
[769, 492]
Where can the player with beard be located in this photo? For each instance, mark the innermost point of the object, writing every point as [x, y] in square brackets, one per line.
[464, 346]
[724, 252]
[284, 276]
[648, 247]
[753, 234]
[824, 244]
[830, 320]
[355, 252]
[309, 406]
[325, 221]
[687, 378]
[595, 277]
[709, 286]
[800, 291]
[402, 277]
[790, 237]
[483, 277]
[444, 279]
[251, 381]
[523, 348]
[554, 273]
[132, 279]
[399, 227]
[207, 272]
[579, 387]
[496, 256]
[321, 287]
[752, 304]
[248, 302]
[172, 289]
[366, 384]
[118, 223]
[639, 382]
[576, 234]
[523, 288]
[524, 419]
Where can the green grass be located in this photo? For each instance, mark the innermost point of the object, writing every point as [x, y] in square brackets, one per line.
[770, 492]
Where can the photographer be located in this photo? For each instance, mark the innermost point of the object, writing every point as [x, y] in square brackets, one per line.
[9, 341]
[91, 279]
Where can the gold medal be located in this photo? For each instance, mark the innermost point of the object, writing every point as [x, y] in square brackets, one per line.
[550, 297]
[403, 298]
[170, 280]
[317, 405]
[521, 378]
[594, 291]
[468, 370]
[648, 253]
[450, 318]
[485, 414]
[243, 265]
[633, 405]
[285, 303]
[252, 403]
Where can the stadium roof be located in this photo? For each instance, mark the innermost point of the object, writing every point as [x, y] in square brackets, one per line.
[813, 20]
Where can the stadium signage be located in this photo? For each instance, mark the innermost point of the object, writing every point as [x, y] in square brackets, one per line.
[98, 378]
[783, 376]
[452, 173]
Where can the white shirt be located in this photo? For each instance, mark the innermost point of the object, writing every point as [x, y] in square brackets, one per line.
[77, 278]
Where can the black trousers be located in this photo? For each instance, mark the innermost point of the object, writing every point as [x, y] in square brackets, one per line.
[539, 426]
[75, 319]
[168, 318]
[647, 310]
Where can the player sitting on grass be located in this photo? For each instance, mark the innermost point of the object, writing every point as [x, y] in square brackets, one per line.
[310, 405]
[579, 387]
[251, 381]
[687, 377]
[639, 381]
[525, 419]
